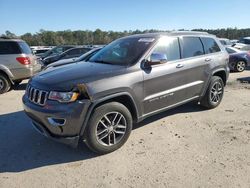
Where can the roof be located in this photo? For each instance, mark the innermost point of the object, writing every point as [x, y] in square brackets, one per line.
[174, 33]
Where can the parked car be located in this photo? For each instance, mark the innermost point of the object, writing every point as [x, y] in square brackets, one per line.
[243, 44]
[16, 63]
[71, 53]
[82, 58]
[56, 50]
[234, 41]
[238, 60]
[245, 40]
[40, 52]
[127, 81]
[225, 42]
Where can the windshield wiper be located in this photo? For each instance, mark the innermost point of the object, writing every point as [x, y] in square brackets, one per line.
[101, 61]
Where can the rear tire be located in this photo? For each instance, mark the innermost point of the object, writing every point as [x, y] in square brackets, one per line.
[214, 93]
[109, 128]
[240, 66]
[4, 84]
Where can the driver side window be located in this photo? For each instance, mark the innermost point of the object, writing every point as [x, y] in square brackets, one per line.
[168, 46]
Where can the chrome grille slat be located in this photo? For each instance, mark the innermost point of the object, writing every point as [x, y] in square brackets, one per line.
[37, 96]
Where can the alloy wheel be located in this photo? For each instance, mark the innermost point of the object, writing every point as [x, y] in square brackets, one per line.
[241, 66]
[216, 92]
[111, 128]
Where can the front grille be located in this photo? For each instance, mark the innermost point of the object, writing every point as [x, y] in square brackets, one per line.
[37, 96]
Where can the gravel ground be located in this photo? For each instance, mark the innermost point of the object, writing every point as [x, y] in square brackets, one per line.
[184, 147]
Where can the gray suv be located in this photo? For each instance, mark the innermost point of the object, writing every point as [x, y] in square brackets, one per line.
[16, 63]
[127, 81]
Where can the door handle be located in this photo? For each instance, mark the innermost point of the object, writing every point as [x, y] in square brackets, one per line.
[179, 66]
[208, 59]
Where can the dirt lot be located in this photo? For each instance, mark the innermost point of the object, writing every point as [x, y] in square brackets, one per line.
[184, 147]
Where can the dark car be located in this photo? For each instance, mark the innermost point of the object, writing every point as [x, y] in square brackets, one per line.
[40, 52]
[56, 50]
[71, 53]
[125, 82]
[84, 57]
[238, 60]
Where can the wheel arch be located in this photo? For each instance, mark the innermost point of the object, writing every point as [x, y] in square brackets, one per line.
[124, 98]
[5, 71]
[222, 74]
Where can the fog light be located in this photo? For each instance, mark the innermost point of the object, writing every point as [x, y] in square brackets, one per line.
[56, 121]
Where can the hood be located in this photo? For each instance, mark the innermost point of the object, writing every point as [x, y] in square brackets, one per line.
[62, 62]
[66, 77]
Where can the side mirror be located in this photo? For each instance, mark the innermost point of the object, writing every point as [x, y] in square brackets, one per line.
[156, 59]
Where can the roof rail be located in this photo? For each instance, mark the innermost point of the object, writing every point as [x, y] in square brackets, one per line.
[6, 37]
[190, 32]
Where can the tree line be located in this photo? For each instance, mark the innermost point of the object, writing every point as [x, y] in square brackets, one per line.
[87, 37]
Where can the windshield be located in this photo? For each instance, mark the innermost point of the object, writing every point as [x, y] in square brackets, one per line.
[123, 51]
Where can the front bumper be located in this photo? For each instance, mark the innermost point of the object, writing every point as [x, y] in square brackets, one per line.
[73, 114]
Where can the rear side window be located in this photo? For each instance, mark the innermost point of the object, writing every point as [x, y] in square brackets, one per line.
[9, 48]
[210, 45]
[191, 47]
[25, 48]
[170, 47]
[73, 51]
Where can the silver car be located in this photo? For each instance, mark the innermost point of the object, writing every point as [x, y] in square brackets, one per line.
[17, 63]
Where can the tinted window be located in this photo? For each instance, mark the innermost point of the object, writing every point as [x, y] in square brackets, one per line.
[210, 45]
[244, 41]
[9, 48]
[25, 48]
[73, 51]
[192, 46]
[169, 47]
[123, 51]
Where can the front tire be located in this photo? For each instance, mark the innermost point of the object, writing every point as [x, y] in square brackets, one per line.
[4, 84]
[240, 66]
[214, 93]
[109, 128]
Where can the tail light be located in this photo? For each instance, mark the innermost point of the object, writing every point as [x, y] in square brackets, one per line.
[24, 60]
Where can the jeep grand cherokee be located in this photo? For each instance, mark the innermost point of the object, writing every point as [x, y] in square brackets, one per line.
[127, 81]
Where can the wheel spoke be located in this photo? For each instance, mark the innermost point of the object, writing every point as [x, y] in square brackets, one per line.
[103, 124]
[119, 120]
[107, 119]
[103, 131]
[114, 137]
[104, 136]
[109, 142]
[119, 132]
[115, 117]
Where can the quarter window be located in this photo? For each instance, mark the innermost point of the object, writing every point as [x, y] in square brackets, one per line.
[210, 45]
[192, 47]
[168, 46]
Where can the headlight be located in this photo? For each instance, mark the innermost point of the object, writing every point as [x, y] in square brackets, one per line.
[63, 96]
